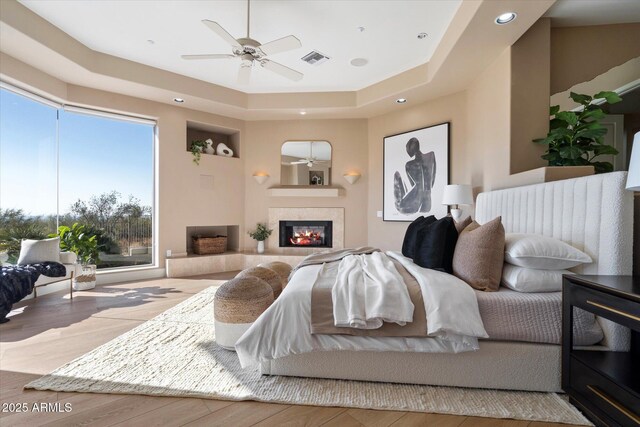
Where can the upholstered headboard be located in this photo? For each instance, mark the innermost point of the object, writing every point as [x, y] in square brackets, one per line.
[593, 214]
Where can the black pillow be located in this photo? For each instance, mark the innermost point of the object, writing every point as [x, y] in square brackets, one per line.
[435, 245]
[411, 236]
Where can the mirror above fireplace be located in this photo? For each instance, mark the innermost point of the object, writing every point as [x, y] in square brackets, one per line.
[305, 163]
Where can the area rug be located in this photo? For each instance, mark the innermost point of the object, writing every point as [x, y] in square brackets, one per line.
[175, 354]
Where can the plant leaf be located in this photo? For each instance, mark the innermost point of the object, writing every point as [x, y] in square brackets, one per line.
[553, 110]
[611, 97]
[602, 167]
[604, 150]
[571, 152]
[568, 116]
[580, 98]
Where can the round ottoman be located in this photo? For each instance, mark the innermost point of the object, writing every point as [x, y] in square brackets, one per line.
[269, 276]
[236, 305]
[282, 269]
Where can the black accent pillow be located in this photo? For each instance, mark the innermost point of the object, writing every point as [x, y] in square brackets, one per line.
[435, 245]
[411, 235]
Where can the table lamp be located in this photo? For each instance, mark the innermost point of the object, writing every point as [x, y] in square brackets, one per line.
[456, 195]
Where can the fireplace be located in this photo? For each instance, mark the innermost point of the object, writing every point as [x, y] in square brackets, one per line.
[306, 234]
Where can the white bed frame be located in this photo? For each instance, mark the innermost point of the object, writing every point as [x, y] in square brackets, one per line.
[593, 214]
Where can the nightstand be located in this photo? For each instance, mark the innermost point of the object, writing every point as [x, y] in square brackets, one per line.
[604, 385]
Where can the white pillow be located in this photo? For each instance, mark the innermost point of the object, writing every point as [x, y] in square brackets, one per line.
[35, 251]
[531, 280]
[544, 253]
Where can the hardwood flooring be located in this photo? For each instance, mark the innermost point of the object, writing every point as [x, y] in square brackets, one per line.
[51, 330]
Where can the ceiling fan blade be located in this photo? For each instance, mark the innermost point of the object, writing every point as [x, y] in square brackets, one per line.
[217, 28]
[281, 45]
[244, 74]
[302, 162]
[208, 56]
[282, 70]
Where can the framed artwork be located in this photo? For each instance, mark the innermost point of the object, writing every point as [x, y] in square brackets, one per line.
[416, 170]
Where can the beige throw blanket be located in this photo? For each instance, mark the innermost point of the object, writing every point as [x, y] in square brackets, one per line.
[322, 315]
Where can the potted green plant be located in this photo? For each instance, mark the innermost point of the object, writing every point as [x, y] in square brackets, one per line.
[197, 147]
[576, 138]
[261, 233]
[79, 240]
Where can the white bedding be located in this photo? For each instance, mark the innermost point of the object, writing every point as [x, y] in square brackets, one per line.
[383, 298]
[453, 321]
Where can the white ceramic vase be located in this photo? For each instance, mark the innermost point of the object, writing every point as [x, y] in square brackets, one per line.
[260, 246]
[209, 148]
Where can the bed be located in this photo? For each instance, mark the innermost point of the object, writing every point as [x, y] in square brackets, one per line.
[593, 214]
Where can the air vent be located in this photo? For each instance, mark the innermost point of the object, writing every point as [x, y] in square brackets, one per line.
[315, 58]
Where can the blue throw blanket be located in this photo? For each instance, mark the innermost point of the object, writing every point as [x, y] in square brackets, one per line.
[16, 282]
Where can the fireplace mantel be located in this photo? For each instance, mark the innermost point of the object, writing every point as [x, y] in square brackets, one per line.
[306, 191]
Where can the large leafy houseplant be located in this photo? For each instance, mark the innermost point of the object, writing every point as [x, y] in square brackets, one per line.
[576, 138]
[79, 240]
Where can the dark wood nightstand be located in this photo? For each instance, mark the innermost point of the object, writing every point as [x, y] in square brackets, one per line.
[605, 385]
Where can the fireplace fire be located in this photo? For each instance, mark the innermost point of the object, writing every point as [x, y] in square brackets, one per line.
[306, 234]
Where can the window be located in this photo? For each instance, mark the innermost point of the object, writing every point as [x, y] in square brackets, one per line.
[62, 165]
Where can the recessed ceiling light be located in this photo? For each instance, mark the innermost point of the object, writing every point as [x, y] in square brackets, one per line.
[422, 36]
[178, 100]
[505, 18]
[359, 62]
[400, 101]
[303, 112]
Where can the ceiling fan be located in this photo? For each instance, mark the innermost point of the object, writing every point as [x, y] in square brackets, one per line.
[310, 161]
[250, 51]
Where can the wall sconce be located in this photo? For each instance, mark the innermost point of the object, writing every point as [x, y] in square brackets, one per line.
[352, 177]
[261, 177]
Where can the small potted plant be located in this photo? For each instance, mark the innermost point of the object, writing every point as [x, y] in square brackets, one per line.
[197, 147]
[79, 240]
[261, 233]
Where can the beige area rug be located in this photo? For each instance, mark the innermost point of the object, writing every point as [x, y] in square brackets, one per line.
[175, 354]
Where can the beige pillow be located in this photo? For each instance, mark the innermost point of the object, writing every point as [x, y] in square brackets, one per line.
[462, 224]
[479, 255]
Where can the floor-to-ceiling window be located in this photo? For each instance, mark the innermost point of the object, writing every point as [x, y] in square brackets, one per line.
[63, 165]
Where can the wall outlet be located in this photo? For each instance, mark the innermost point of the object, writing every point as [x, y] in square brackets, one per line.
[168, 253]
[379, 214]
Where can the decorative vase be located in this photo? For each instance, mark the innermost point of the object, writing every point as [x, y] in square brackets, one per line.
[223, 150]
[84, 277]
[260, 246]
[209, 148]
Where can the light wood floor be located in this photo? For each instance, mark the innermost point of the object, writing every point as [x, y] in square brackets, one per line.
[52, 330]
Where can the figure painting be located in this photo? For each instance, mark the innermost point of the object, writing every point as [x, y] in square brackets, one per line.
[416, 170]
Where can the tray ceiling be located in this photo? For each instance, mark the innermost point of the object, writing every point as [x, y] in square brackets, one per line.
[389, 41]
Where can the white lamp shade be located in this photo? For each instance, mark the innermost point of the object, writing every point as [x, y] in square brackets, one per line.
[458, 194]
[633, 178]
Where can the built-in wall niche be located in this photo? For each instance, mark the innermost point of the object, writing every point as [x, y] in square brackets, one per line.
[231, 231]
[201, 131]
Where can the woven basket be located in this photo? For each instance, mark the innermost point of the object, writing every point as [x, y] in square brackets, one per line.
[209, 245]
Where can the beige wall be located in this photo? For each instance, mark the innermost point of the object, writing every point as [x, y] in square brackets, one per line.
[579, 54]
[388, 234]
[530, 82]
[348, 138]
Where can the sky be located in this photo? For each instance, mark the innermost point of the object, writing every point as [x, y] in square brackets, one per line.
[97, 155]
